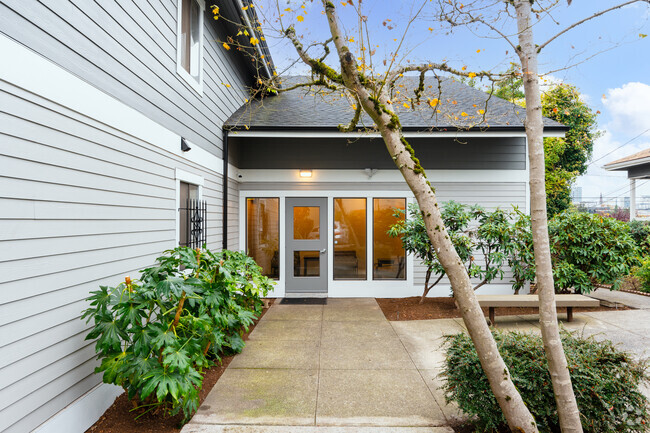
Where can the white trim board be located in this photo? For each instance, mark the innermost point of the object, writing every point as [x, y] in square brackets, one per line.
[82, 413]
[407, 134]
[36, 74]
[196, 85]
[393, 175]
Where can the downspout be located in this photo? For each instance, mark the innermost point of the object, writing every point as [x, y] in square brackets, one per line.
[225, 190]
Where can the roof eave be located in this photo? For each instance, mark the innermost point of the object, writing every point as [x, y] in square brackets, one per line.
[549, 131]
[623, 166]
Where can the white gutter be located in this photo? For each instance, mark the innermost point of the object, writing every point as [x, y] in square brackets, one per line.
[337, 134]
[257, 47]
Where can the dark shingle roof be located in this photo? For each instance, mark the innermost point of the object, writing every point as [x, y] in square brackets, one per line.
[317, 110]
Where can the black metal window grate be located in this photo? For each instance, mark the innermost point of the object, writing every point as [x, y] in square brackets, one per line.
[194, 223]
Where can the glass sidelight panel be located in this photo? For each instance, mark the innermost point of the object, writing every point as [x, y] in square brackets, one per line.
[349, 238]
[306, 222]
[389, 257]
[263, 234]
[306, 263]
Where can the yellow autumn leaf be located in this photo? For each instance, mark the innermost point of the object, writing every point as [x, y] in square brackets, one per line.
[226, 46]
[481, 111]
[226, 84]
[344, 4]
[287, 10]
[254, 41]
[354, 106]
[430, 29]
[463, 68]
[463, 114]
[433, 102]
[244, 8]
[406, 105]
[643, 35]
[215, 10]
[478, 51]
[300, 18]
[246, 100]
[472, 75]
[245, 32]
[351, 40]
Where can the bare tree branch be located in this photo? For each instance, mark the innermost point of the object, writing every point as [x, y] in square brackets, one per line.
[587, 19]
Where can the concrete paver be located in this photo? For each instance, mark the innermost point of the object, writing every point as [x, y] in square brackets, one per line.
[261, 396]
[375, 355]
[294, 312]
[301, 355]
[287, 330]
[372, 397]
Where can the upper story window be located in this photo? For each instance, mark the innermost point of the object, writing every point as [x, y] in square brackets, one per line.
[189, 42]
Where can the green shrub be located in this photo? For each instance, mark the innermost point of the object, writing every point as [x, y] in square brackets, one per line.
[642, 272]
[640, 231]
[605, 380]
[157, 334]
[589, 249]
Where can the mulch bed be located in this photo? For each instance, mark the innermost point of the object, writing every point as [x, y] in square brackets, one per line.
[119, 419]
[396, 309]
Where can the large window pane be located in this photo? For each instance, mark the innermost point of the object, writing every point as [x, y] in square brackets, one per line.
[306, 222]
[389, 258]
[306, 264]
[349, 238]
[263, 234]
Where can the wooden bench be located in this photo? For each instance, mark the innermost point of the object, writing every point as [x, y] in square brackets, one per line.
[564, 301]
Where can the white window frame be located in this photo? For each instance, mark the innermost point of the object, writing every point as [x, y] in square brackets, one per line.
[195, 84]
[337, 288]
[191, 178]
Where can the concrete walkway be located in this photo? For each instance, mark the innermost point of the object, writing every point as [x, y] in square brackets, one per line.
[343, 367]
[615, 297]
[340, 367]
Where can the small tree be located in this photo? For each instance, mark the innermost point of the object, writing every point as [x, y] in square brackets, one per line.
[521, 257]
[489, 235]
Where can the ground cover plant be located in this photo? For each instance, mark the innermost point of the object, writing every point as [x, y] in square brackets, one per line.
[156, 335]
[605, 381]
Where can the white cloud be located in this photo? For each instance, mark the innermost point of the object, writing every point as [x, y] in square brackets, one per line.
[626, 107]
[629, 107]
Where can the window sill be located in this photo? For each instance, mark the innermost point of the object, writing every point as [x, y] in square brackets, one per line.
[196, 85]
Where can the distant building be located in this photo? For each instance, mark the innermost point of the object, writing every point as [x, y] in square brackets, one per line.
[626, 202]
[576, 194]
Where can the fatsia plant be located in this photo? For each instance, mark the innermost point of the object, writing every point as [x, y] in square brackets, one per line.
[155, 335]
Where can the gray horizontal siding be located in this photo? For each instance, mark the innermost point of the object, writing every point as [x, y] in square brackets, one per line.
[489, 195]
[471, 153]
[128, 49]
[81, 204]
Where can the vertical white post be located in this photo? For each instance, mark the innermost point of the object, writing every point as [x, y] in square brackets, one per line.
[632, 199]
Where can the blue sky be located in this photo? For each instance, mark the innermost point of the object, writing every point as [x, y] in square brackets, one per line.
[605, 58]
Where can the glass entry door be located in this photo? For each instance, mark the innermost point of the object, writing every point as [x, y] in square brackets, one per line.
[306, 245]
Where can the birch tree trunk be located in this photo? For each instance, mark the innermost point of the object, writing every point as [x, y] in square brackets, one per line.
[567, 406]
[381, 111]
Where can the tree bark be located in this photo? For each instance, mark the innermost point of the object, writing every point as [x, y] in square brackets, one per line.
[567, 407]
[380, 109]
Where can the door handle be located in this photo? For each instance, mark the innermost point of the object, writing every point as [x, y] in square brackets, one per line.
[323, 251]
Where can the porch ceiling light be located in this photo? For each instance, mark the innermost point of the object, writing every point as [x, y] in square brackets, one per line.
[305, 173]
